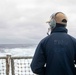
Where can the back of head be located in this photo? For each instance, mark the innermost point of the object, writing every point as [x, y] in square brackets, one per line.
[59, 18]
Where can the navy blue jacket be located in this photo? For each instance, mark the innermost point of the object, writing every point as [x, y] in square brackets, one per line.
[55, 54]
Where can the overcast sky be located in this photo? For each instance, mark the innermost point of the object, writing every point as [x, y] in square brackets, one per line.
[24, 21]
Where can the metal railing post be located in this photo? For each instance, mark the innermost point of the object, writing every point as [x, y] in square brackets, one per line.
[12, 66]
[8, 58]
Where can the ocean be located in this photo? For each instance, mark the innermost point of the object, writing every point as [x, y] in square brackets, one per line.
[17, 49]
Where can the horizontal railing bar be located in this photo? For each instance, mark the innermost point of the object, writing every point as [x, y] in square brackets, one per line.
[21, 57]
[3, 57]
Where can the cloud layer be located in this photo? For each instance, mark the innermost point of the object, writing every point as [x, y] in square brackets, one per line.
[24, 21]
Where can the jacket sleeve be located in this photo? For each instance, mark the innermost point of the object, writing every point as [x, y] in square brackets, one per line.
[74, 42]
[75, 56]
[38, 62]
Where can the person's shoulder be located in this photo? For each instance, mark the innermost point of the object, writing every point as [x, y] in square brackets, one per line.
[44, 40]
[73, 38]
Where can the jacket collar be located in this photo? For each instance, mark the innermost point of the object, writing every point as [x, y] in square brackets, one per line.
[59, 29]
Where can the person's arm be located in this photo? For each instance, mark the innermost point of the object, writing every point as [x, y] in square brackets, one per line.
[75, 56]
[74, 44]
[75, 53]
[38, 62]
[74, 41]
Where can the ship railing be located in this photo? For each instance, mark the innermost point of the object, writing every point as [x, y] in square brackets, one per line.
[16, 65]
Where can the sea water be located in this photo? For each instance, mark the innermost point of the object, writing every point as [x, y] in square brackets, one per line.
[17, 49]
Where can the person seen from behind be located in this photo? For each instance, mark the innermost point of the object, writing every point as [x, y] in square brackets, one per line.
[56, 53]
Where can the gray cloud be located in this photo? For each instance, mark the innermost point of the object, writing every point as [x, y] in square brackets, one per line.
[23, 21]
